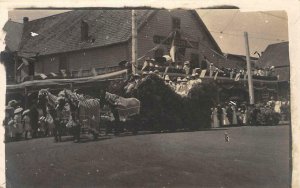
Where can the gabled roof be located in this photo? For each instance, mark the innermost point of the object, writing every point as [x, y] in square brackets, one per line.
[13, 35]
[62, 32]
[240, 57]
[277, 55]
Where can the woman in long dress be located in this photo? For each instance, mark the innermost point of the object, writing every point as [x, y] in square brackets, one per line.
[225, 121]
[27, 125]
[234, 115]
[214, 118]
[18, 123]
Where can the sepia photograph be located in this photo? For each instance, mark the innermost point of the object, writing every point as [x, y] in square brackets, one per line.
[147, 97]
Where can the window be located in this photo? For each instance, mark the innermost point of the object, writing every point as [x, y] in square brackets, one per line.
[86, 73]
[63, 64]
[175, 23]
[75, 74]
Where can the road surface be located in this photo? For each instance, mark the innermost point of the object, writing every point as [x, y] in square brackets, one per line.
[253, 157]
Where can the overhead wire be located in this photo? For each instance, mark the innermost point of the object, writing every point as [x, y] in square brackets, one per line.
[279, 17]
[262, 38]
[230, 21]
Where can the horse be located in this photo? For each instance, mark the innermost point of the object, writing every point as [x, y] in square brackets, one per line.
[124, 109]
[85, 112]
[50, 107]
[45, 113]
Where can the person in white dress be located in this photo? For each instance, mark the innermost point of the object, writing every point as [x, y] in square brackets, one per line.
[277, 107]
[26, 121]
[18, 123]
[225, 121]
[214, 118]
[234, 115]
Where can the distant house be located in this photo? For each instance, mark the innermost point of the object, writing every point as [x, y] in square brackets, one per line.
[12, 39]
[238, 61]
[277, 55]
[83, 42]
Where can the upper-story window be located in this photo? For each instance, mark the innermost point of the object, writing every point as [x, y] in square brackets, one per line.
[175, 23]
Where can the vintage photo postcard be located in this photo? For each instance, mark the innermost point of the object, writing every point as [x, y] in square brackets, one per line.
[148, 96]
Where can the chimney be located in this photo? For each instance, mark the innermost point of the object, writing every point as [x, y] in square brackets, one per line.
[25, 20]
[84, 31]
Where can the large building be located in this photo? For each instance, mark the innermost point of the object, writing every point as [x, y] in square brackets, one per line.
[277, 55]
[83, 42]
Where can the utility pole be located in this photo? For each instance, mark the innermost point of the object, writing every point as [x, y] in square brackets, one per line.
[250, 82]
[134, 42]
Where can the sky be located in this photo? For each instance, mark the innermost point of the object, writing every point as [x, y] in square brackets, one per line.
[227, 26]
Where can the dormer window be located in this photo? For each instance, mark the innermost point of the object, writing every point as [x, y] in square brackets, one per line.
[84, 31]
[175, 23]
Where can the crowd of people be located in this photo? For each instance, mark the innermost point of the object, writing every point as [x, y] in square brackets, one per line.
[17, 124]
[234, 114]
[20, 123]
[206, 68]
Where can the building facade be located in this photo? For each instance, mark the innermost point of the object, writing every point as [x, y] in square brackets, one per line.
[85, 42]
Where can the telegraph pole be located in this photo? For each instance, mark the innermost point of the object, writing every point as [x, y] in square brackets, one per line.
[134, 42]
[250, 82]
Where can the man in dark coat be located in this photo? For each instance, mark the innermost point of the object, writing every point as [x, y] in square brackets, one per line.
[204, 63]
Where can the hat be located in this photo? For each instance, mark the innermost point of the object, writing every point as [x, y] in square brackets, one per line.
[145, 73]
[167, 57]
[179, 79]
[167, 78]
[25, 112]
[231, 102]
[186, 63]
[136, 75]
[12, 103]
[150, 72]
[18, 110]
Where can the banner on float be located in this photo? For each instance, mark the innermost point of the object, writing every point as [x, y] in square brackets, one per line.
[203, 72]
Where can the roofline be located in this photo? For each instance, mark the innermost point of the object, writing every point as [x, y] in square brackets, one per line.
[200, 21]
[121, 42]
[49, 16]
[144, 23]
[240, 56]
[83, 49]
[9, 20]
